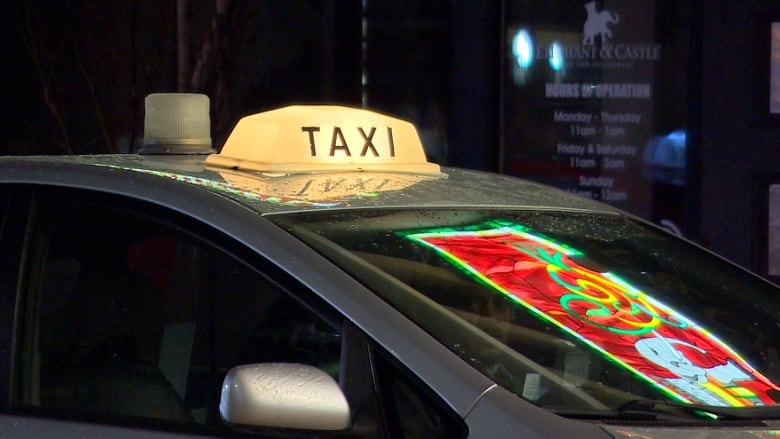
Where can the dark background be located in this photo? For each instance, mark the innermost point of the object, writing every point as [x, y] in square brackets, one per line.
[75, 73]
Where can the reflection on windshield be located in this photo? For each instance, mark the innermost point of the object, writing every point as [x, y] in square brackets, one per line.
[560, 285]
[570, 310]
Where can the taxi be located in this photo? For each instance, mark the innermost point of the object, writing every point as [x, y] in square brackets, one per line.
[318, 277]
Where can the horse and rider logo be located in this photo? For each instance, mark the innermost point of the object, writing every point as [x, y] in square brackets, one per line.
[597, 24]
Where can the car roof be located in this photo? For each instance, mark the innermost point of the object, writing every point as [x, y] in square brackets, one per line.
[289, 159]
[265, 193]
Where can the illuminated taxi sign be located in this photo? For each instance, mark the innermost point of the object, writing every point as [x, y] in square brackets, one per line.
[305, 139]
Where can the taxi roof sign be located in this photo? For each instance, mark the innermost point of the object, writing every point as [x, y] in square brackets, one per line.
[323, 138]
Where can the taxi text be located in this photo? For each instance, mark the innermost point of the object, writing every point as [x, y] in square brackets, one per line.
[338, 141]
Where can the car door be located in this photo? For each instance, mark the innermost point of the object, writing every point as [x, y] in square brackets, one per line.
[129, 315]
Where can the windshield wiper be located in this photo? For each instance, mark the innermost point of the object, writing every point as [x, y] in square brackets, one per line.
[717, 412]
[650, 409]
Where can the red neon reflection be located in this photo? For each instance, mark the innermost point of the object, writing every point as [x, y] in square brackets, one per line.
[645, 336]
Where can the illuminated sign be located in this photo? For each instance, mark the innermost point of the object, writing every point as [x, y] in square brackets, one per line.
[627, 326]
[319, 138]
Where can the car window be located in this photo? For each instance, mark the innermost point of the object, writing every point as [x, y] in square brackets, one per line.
[411, 409]
[567, 309]
[129, 315]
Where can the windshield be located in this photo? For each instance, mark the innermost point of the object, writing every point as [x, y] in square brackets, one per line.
[569, 310]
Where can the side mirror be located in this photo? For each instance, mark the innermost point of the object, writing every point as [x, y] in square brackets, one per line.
[283, 395]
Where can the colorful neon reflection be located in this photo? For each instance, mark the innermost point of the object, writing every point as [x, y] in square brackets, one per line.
[627, 326]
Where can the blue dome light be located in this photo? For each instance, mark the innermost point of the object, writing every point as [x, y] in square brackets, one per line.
[522, 48]
[556, 56]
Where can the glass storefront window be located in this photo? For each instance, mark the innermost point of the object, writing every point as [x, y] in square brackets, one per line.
[594, 100]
